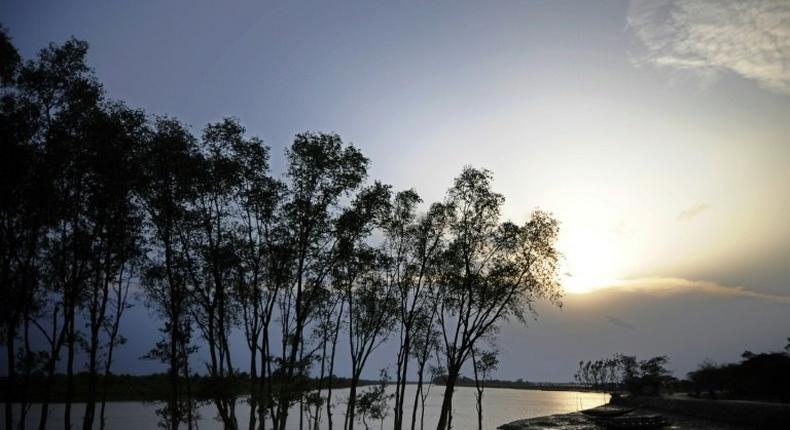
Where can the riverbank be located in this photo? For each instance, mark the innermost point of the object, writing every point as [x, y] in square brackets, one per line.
[579, 421]
[683, 413]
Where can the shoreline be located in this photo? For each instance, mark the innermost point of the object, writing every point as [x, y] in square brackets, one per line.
[683, 413]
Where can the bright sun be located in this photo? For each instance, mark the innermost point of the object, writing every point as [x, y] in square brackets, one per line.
[590, 263]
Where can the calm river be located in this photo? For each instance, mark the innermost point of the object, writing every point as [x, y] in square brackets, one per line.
[500, 406]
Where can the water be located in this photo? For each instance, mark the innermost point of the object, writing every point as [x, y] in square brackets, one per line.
[500, 406]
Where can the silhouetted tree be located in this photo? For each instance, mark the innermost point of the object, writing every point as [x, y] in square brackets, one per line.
[327, 331]
[763, 376]
[413, 246]
[483, 363]
[216, 235]
[169, 163]
[373, 402]
[113, 136]
[361, 275]
[490, 271]
[256, 195]
[9, 59]
[24, 192]
[320, 171]
[425, 345]
[63, 100]
[119, 303]
[96, 197]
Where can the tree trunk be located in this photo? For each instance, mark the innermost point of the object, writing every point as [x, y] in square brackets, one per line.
[352, 403]
[53, 357]
[332, 368]
[24, 406]
[400, 386]
[253, 383]
[417, 395]
[72, 338]
[11, 380]
[175, 417]
[447, 400]
[263, 406]
[90, 404]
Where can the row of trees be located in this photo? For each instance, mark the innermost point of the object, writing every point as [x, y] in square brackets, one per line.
[764, 376]
[99, 198]
[625, 372]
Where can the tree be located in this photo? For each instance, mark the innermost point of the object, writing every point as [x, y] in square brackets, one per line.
[320, 171]
[373, 402]
[24, 191]
[119, 302]
[114, 137]
[216, 233]
[256, 196]
[63, 99]
[483, 363]
[490, 271]
[169, 162]
[361, 275]
[327, 330]
[425, 345]
[413, 245]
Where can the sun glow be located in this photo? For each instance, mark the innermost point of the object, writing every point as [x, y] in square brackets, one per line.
[590, 263]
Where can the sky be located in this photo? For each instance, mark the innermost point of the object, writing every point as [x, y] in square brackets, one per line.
[657, 132]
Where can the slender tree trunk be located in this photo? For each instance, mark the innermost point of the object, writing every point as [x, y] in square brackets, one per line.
[23, 402]
[352, 402]
[72, 338]
[417, 394]
[332, 367]
[447, 400]
[294, 350]
[119, 308]
[54, 354]
[93, 367]
[175, 416]
[317, 418]
[106, 384]
[188, 385]
[400, 386]
[11, 380]
[422, 413]
[301, 398]
[253, 384]
[90, 404]
[263, 406]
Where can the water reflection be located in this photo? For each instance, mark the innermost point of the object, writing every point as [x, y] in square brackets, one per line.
[500, 406]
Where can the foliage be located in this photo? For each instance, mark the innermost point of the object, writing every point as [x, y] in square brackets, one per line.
[763, 376]
[372, 403]
[623, 371]
[97, 198]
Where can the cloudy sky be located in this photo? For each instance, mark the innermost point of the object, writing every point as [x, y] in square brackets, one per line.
[658, 132]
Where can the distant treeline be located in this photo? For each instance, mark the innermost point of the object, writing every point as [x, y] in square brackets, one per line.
[152, 387]
[763, 376]
[98, 199]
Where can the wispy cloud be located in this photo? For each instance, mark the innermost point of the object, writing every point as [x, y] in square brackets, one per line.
[691, 212]
[750, 38]
[619, 322]
[671, 285]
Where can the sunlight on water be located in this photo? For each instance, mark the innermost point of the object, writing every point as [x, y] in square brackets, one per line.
[500, 406]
